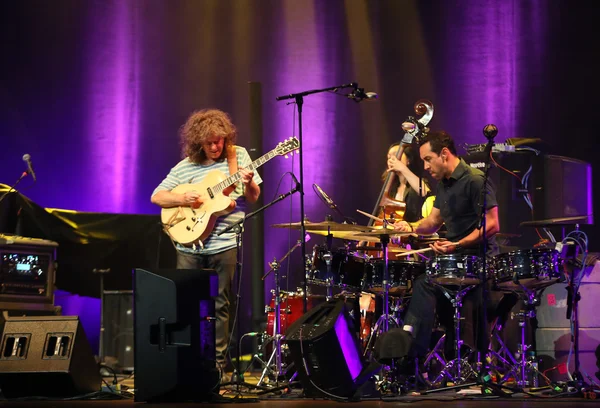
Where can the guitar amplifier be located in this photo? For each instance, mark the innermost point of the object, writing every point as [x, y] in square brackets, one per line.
[27, 273]
[513, 209]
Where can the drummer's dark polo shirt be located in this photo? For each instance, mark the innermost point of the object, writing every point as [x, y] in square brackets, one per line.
[458, 198]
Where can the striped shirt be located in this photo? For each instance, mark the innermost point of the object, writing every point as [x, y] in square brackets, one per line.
[187, 172]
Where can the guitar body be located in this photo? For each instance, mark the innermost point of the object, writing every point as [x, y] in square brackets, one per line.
[188, 225]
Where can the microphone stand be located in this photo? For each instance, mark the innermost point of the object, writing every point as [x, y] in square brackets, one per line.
[23, 175]
[490, 131]
[237, 376]
[299, 98]
[332, 205]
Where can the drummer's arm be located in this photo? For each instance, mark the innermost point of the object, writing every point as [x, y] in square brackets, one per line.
[430, 224]
[492, 227]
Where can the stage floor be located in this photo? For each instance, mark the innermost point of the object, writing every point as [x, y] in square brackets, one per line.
[292, 398]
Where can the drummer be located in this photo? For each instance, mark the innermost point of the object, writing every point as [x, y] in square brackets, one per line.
[457, 206]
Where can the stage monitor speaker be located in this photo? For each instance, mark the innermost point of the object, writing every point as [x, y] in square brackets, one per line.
[174, 335]
[326, 352]
[46, 356]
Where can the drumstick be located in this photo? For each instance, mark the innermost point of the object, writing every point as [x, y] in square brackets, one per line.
[416, 251]
[373, 217]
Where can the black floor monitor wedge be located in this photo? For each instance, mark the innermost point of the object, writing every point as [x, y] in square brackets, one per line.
[326, 352]
[47, 356]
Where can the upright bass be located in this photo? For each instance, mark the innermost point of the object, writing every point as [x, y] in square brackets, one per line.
[388, 207]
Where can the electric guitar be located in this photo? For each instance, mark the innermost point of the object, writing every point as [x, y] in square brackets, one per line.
[190, 226]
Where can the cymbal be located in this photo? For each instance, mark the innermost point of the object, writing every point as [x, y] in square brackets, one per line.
[373, 249]
[379, 233]
[552, 222]
[323, 226]
[347, 235]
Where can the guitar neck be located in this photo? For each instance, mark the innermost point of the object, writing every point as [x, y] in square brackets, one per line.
[234, 178]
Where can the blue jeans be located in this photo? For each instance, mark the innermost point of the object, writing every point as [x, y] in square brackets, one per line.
[224, 264]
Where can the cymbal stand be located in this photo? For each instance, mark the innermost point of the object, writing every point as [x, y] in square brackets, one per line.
[383, 323]
[277, 337]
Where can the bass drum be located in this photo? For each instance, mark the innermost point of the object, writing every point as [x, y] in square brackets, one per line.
[291, 309]
[527, 268]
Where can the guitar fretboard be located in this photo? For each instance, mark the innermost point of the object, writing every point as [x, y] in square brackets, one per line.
[237, 176]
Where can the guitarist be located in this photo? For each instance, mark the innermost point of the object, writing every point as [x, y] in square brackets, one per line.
[208, 143]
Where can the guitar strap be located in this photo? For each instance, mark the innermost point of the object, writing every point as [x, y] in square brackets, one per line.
[232, 160]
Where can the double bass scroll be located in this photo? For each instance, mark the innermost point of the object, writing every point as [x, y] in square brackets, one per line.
[414, 129]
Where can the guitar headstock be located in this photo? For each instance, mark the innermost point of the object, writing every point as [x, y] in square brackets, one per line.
[287, 146]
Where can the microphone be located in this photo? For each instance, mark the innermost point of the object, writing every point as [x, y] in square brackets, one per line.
[325, 197]
[490, 131]
[27, 159]
[359, 95]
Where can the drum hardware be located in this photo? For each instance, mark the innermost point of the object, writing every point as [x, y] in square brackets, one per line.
[382, 324]
[436, 353]
[394, 319]
[277, 337]
[384, 238]
[460, 272]
[502, 359]
[454, 369]
[522, 365]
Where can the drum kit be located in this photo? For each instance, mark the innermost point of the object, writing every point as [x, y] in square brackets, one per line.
[350, 272]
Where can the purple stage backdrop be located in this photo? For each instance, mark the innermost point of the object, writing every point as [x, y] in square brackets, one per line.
[95, 91]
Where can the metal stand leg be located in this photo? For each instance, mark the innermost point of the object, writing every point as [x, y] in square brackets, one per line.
[277, 336]
[453, 370]
[525, 366]
[502, 360]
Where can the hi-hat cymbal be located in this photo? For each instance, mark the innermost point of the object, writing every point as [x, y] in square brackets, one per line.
[324, 226]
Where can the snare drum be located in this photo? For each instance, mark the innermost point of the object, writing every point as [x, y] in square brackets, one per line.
[454, 270]
[339, 268]
[401, 273]
[291, 307]
[527, 268]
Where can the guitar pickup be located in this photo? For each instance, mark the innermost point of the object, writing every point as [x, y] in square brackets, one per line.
[210, 192]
